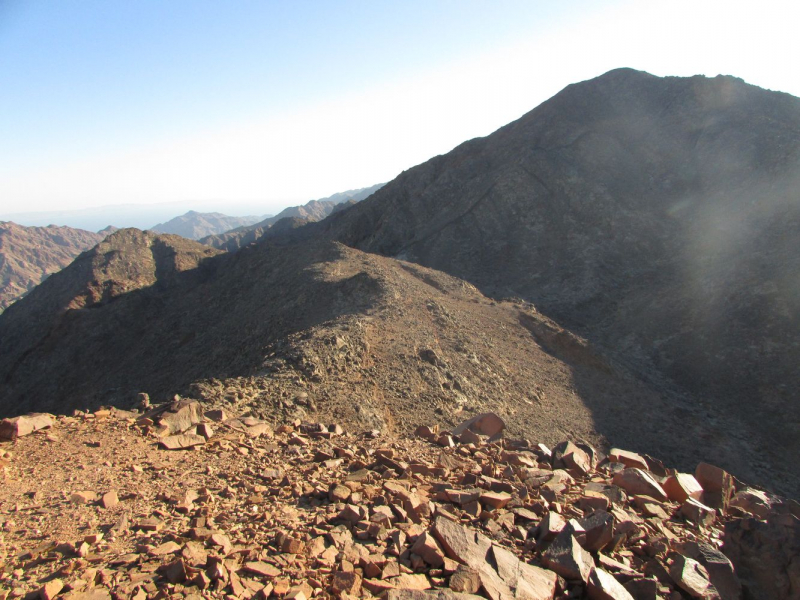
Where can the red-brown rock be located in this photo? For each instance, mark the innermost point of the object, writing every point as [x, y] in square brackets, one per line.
[604, 586]
[16, 427]
[566, 557]
[637, 482]
[485, 424]
[681, 486]
[629, 459]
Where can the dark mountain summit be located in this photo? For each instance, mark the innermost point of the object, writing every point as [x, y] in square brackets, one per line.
[658, 216]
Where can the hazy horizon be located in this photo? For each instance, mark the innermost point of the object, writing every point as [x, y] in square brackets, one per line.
[267, 104]
[141, 216]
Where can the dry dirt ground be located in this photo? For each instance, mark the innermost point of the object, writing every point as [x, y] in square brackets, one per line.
[252, 513]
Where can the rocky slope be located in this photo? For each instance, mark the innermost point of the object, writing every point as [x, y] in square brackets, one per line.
[314, 210]
[195, 225]
[656, 216]
[324, 330]
[30, 254]
[95, 506]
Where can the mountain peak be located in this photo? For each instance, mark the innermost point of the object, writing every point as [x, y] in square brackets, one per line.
[195, 225]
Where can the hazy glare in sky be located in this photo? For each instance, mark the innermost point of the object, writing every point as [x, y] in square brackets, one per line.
[265, 104]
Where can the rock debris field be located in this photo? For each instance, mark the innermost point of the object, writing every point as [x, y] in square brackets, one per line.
[186, 500]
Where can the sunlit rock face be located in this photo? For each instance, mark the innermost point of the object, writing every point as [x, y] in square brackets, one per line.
[659, 216]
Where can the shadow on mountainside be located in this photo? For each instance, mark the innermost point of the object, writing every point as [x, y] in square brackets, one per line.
[666, 421]
[322, 331]
[212, 321]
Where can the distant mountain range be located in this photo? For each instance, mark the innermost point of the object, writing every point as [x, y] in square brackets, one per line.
[194, 225]
[314, 210]
[30, 254]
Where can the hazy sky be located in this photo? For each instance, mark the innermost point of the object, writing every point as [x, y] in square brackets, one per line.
[273, 103]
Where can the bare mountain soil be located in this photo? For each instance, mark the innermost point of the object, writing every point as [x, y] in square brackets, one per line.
[28, 255]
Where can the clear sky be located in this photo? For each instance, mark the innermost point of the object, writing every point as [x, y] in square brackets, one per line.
[250, 106]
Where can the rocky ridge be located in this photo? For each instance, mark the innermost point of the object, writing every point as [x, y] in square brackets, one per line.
[95, 505]
[318, 330]
[311, 211]
[28, 255]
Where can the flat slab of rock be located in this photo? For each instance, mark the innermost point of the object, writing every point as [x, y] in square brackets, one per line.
[16, 427]
[261, 569]
[182, 441]
[698, 512]
[427, 547]
[681, 486]
[604, 586]
[178, 416]
[629, 459]
[429, 595]
[407, 581]
[461, 543]
[719, 567]
[512, 579]
[692, 578]
[526, 581]
[83, 497]
[639, 483]
[566, 557]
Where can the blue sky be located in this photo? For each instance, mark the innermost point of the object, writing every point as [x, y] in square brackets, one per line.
[86, 74]
[251, 106]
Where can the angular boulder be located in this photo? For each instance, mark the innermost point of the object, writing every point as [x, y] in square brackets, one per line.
[752, 501]
[717, 485]
[526, 581]
[604, 586]
[720, 569]
[177, 416]
[639, 483]
[765, 554]
[681, 486]
[567, 557]
[692, 578]
[16, 427]
[485, 424]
